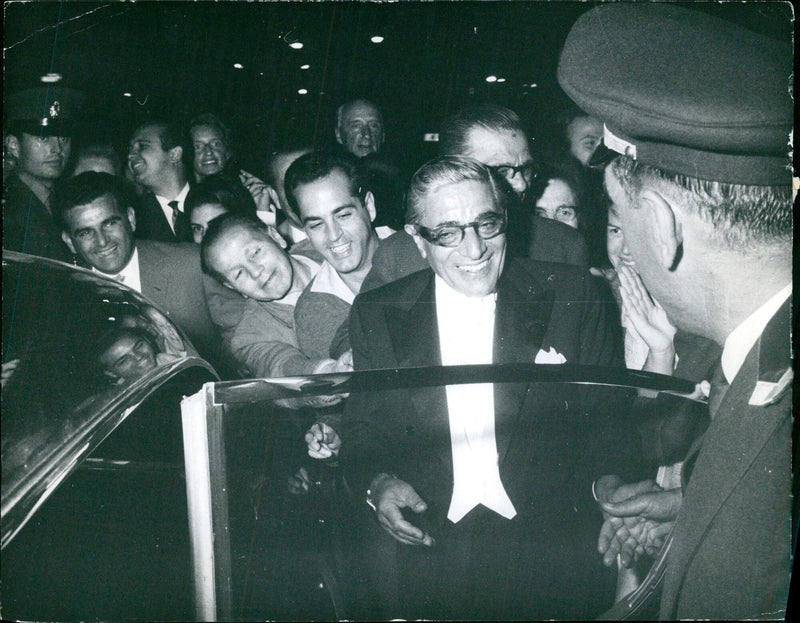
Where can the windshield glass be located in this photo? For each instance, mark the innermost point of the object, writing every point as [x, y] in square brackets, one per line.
[75, 346]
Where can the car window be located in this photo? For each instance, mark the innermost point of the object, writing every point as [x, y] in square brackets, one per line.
[296, 550]
[79, 352]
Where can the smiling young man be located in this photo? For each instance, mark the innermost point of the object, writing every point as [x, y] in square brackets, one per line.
[98, 226]
[330, 195]
[447, 470]
[155, 158]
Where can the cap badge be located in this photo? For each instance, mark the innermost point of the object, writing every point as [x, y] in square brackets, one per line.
[55, 109]
[619, 145]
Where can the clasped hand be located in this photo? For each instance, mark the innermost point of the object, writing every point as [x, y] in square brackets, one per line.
[638, 518]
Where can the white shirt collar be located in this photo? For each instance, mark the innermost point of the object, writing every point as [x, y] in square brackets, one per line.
[740, 341]
[167, 209]
[129, 275]
[330, 282]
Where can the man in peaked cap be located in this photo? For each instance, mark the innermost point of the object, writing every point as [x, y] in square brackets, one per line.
[698, 116]
[38, 129]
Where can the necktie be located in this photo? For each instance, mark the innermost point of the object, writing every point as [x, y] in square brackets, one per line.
[179, 223]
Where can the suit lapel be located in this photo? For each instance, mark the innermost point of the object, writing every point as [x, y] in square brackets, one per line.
[415, 337]
[521, 321]
[153, 272]
[742, 431]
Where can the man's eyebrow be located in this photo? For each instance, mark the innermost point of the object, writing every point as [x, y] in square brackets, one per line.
[348, 206]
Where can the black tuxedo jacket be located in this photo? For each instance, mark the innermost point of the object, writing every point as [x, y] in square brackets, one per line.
[552, 441]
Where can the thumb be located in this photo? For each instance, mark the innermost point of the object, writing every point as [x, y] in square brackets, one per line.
[661, 505]
[414, 502]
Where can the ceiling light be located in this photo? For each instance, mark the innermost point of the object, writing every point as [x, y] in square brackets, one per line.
[50, 78]
[377, 39]
[306, 66]
[126, 94]
[533, 85]
[491, 78]
[501, 79]
[238, 66]
[296, 45]
[302, 91]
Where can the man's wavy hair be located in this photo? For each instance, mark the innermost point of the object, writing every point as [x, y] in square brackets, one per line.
[742, 216]
[446, 170]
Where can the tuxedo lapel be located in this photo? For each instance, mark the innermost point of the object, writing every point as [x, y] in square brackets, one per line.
[415, 338]
[521, 321]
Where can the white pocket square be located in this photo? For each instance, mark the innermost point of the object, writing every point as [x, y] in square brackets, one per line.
[550, 356]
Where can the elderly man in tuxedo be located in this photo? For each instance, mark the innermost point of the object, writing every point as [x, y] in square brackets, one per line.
[483, 492]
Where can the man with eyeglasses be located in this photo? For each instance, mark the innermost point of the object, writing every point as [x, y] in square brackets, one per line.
[475, 532]
[492, 135]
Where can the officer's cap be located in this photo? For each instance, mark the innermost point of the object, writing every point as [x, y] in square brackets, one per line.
[683, 91]
[48, 111]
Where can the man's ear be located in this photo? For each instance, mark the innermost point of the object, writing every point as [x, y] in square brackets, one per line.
[131, 214]
[11, 145]
[276, 237]
[666, 227]
[369, 203]
[338, 134]
[176, 153]
[68, 241]
[411, 231]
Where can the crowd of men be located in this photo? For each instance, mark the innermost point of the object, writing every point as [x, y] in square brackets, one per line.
[474, 507]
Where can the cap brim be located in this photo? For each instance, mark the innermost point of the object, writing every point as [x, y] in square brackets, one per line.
[35, 128]
[601, 156]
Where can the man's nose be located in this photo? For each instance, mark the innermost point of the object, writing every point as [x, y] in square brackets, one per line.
[518, 182]
[473, 246]
[254, 270]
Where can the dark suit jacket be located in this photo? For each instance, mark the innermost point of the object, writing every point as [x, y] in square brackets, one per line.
[171, 277]
[551, 443]
[28, 226]
[151, 223]
[732, 539]
[551, 241]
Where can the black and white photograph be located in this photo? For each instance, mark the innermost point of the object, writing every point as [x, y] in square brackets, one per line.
[398, 310]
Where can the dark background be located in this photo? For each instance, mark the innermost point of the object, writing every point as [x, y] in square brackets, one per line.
[176, 59]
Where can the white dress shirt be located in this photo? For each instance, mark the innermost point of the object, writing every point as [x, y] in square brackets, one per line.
[128, 275]
[167, 209]
[466, 336]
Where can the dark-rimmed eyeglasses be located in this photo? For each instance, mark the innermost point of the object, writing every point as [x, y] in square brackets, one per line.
[528, 170]
[452, 235]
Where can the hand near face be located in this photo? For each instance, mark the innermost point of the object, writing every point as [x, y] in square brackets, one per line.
[390, 495]
[647, 316]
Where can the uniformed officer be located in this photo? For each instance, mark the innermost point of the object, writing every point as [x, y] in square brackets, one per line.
[698, 118]
[38, 127]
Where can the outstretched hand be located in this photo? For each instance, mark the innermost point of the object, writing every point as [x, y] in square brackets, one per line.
[390, 495]
[638, 518]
